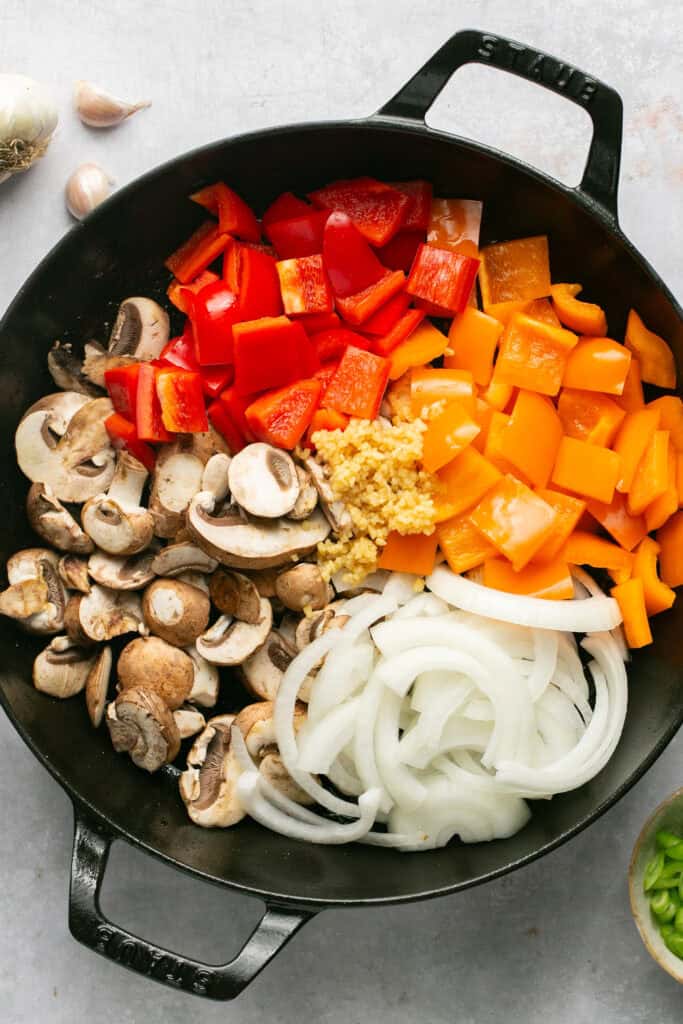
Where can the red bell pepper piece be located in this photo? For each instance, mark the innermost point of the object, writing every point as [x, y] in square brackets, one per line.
[236, 406]
[123, 434]
[282, 417]
[399, 253]
[399, 332]
[350, 263]
[122, 385]
[377, 210]
[148, 421]
[330, 345]
[215, 310]
[285, 207]
[313, 323]
[177, 292]
[388, 315]
[179, 352]
[358, 308]
[234, 216]
[358, 385]
[222, 421]
[251, 273]
[216, 378]
[325, 375]
[420, 207]
[299, 236]
[194, 255]
[270, 353]
[182, 401]
[304, 285]
[442, 280]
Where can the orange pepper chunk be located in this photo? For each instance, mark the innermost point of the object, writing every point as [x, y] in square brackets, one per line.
[515, 271]
[462, 544]
[454, 224]
[541, 309]
[499, 392]
[631, 443]
[670, 417]
[586, 469]
[614, 517]
[424, 344]
[589, 416]
[631, 599]
[483, 414]
[514, 519]
[412, 552]
[657, 365]
[679, 477]
[473, 337]
[533, 355]
[587, 549]
[466, 479]
[581, 317]
[551, 580]
[429, 385]
[620, 575]
[670, 540]
[569, 511]
[447, 433]
[652, 475]
[658, 597]
[659, 510]
[493, 450]
[597, 364]
[532, 437]
[631, 397]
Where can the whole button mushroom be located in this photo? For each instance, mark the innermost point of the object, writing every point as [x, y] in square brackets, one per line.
[263, 481]
[176, 611]
[158, 666]
[303, 587]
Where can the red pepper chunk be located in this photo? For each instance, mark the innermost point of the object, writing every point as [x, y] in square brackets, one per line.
[286, 206]
[236, 406]
[399, 253]
[271, 352]
[215, 379]
[234, 216]
[377, 209]
[222, 422]
[251, 273]
[399, 333]
[122, 385]
[304, 285]
[442, 280]
[358, 308]
[215, 310]
[329, 345]
[387, 316]
[182, 401]
[313, 323]
[194, 255]
[148, 420]
[350, 263]
[178, 293]
[123, 434]
[358, 385]
[179, 352]
[282, 417]
[299, 236]
[420, 207]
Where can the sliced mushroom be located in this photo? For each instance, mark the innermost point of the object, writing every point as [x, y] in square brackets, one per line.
[272, 768]
[96, 362]
[308, 496]
[97, 685]
[62, 407]
[199, 580]
[206, 680]
[61, 670]
[234, 594]
[246, 544]
[36, 596]
[231, 642]
[103, 614]
[122, 572]
[24, 599]
[264, 580]
[66, 370]
[262, 671]
[189, 721]
[151, 662]
[258, 728]
[54, 523]
[313, 626]
[177, 478]
[77, 466]
[139, 722]
[303, 587]
[263, 481]
[141, 329]
[335, 511]
[215, 477]
[288, 625]
[182, 557]
[208, 785]
[176, 611]
[116, 521]
[73, 572]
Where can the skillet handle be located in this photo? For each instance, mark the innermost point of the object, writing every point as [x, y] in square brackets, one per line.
[601, 175]
[89, 925]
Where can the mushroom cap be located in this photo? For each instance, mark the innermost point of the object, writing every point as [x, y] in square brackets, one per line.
[103, 614]
[302, 587]
[189, 721]
[262, 671]
[40, 565]
[308, 496]
[257, 725]
[62, 407]
[236, 595]
[158, 666]
[139, 722]
[272, 768]
[97, 685]
[66, 370]
[206, 681]
[73, 572]
[54, 523]
[208, 785]
[313, 626]
[176, 611]
[263, 480]
[116, 529]
[141, 329]
[61, 670]
[230, 642]
[177, 478]
[122, 572]
[183, 556]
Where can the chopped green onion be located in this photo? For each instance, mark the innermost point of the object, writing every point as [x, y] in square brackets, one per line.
[663, 880]
[666, 839]
[653, 871]
[674, 942]
[666, 930]
[675, 852]
[663, 907]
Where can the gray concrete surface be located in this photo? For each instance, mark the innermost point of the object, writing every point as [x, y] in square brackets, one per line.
[553, 942]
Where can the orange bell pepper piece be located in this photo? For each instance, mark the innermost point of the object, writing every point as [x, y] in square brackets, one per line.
[500, 392]
[483, 413]
[658, 597]
[568, 513]
[413, 552]
[447, 434]
[541, 309]
[424, 344]
[586, 469]
[679, 477]
[551, 580]
[614, 517]
[631, 599]
[631, 397]
[659, 510]
[429, 385]
[514, 519]
[597, 364]
[515, 271]
[652, 475]
[631, 442]
[589, 416]
[587, 549]
[466, 479]
[533, 355]
[670, 540]
[581, 317]
[462, 544]
[670, 417]
[454, 224]
[473, 338]
[657, 365]
[531, 439]
[493, 450]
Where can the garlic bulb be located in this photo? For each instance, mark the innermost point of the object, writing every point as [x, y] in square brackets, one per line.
[87, 187]
[28, 117]
[100, 109]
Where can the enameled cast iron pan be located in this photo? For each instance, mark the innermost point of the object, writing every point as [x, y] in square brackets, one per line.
[119, 251]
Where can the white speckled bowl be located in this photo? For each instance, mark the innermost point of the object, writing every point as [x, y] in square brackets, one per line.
[669, 815]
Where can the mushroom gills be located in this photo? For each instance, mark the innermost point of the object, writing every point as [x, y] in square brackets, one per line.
[54, 523]
[122, 572]
[141, 329]
[230, 642]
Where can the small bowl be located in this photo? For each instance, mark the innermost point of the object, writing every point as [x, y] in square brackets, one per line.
[669, 815]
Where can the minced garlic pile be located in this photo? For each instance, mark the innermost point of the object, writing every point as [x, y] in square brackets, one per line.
[374, 468]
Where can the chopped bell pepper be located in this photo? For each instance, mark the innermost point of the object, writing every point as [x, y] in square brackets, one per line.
[659, 510]
[657, 364]
[282, 417]
[418, 213]
[215, 379]
[541, 309]
[300, 236]
[568, 513]
[587, 549]
[314, 323]
[466, 479]
[330, 345]
[429, 385]
[194, 255]
[463, 545]
[327, 419]
[236, 406]
[222, 421]
[399, 253]
[493, 449]
[387, 316]
[658, 596]
[182, 401]
[423, 345]
[177, 292]
[179, 352]
[377, 210]
[454, 224]
[551, 580]
[148, 420]
[500, 392]
[473, 337]
[597, 364]
[122, 434]
[670, 540]
[670, 417]
[285, 207]
[630, 597]
[447, 434]
[532, 437]
[325, 375]
[441, 280]
[483, 414]
[400, 332]
[631, 397]
[589, 416]
[652, 475]
[358, 384]
[122, 384]
[234, 216]
[360, 306]
[515, 271]
[350, 263]
[271, 352]
[580, 317]
[586, 469]
[631, 442]
[412, 552]
[533, 355]
[514, 519]
[614, 517]
[215, 310]
[251, 273]
[304, 285]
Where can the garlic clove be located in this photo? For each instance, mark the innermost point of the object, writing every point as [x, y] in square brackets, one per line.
[99, 109]
[87, 187]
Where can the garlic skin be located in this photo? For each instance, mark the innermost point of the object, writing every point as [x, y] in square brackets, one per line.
[28, 117]
[99, 109]
[87, 187]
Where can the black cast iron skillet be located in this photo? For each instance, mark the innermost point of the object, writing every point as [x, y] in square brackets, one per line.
[119, 251]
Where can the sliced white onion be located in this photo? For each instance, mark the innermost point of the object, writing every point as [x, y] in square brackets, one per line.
[544, 663]
[321, 743]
